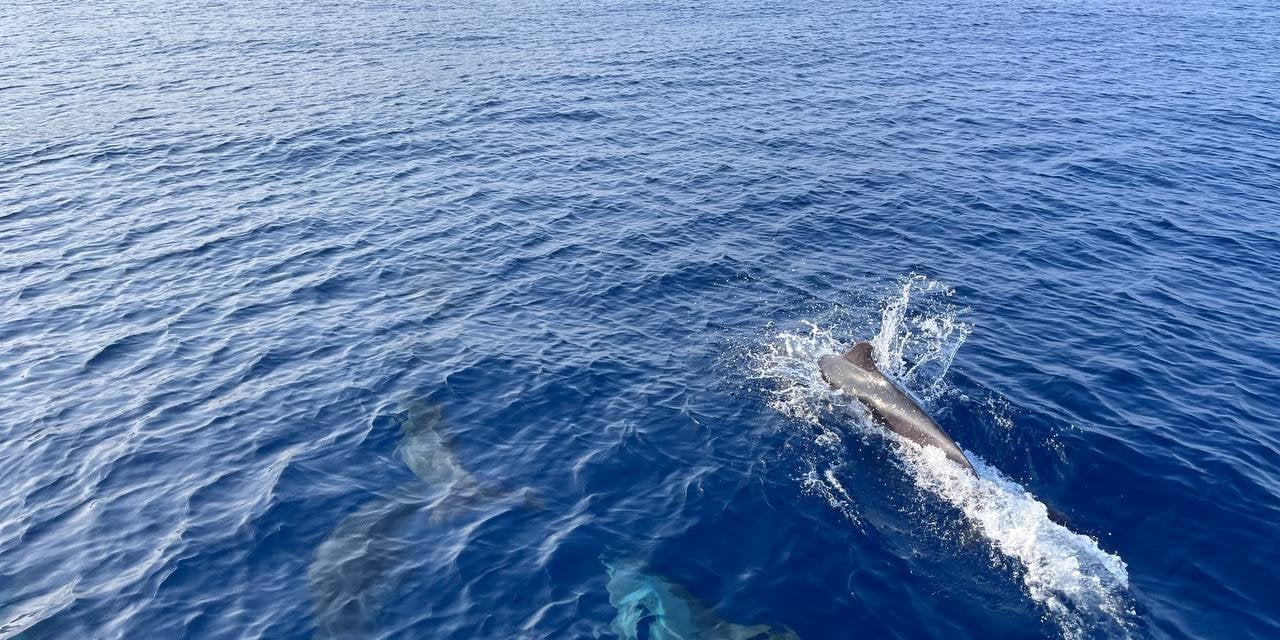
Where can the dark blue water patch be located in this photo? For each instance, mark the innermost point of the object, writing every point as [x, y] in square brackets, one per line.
[237, 242]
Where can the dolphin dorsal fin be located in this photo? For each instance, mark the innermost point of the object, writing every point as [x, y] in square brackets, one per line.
[861, 356]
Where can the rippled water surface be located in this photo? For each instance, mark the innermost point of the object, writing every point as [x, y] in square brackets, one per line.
[501, 320]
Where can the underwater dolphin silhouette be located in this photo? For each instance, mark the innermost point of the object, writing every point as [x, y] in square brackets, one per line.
[856, 374]
[354, 571]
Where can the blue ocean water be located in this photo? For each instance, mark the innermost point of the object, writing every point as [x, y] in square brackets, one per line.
[501, 320]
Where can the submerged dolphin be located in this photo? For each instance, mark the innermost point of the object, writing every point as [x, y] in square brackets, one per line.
[856, 374]
[654, 608]
[356, 570]
[425, 450]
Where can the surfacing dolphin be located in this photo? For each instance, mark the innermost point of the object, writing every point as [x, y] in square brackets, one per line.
[652, 607]
[856, 374]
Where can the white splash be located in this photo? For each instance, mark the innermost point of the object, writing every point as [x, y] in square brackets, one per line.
[1081, 588]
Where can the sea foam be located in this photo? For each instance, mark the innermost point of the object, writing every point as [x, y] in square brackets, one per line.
[916, 332]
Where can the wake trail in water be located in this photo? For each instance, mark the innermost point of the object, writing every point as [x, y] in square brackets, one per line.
[916, 333]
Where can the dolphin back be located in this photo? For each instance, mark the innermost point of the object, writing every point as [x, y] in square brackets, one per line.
[856, 374]
[862, 357]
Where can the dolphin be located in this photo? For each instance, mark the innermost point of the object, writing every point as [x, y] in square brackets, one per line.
[356, 569]
[354, 572]
[654, 608]
[856, 374]
[427, 452]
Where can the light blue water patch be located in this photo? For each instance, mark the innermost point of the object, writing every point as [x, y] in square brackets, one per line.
[651, 607]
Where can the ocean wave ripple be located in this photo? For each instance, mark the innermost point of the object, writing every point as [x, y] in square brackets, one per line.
[237, 241]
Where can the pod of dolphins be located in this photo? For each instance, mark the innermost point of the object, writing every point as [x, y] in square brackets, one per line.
[349, 574]
[356, 565]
